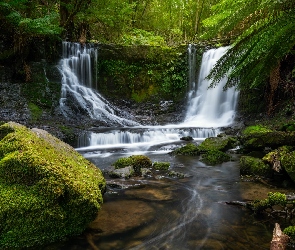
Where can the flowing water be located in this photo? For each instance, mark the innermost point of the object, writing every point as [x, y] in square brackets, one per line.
[159, 211]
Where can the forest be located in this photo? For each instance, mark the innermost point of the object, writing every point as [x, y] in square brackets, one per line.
[261, 33]
[139, 52]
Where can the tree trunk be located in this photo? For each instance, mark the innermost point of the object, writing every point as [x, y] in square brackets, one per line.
[279, 239]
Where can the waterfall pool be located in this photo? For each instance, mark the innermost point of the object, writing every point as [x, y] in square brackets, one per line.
[163, 212]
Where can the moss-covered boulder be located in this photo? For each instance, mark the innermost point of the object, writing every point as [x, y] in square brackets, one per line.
[221, 143]
[48, 191]
[135, 161]
[284, 157]
[255, 166]
[214, 157]
[273, 139]
[188, 149]
[161, 165]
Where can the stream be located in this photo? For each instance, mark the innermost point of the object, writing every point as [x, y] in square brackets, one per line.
[159, 211]
[162, 212]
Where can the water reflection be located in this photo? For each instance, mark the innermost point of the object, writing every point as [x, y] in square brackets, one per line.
[169, 213]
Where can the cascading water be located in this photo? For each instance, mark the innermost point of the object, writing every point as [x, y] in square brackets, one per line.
[77, 83]
[209, 107]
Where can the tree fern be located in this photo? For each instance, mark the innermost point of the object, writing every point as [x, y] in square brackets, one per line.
[263, 32]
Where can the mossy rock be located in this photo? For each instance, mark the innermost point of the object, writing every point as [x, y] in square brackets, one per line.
[48, 191]
[256, 129]
[273, 199]
[286, 158]
[214, 157]
[135, 161]
[260, 140]
[161, 165]
[188, 149]
[254, 166]
[221, 143]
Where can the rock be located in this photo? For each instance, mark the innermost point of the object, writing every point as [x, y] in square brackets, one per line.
[118, 217]
[48, 191]
[161, 165]
[255, 166]
[273, 139]
[282, 158]
[187, 138]
[214, 157]
[188, 149]
[221, 143]
[126, 172]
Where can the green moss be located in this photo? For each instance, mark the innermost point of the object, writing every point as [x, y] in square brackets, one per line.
[273, 199]
[254, 166]
[48, 191]
[161, 165]
[214, 157]
[188, 149]
[36, 112]
[290, 231]
[256, 129]
[135, 161]
[285, 156]
[221, 143]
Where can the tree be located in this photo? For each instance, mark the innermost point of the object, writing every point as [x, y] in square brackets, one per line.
[263, 33]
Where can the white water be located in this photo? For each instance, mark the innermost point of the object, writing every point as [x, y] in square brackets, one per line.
[211, 107]
[77, 81]
[208, 109]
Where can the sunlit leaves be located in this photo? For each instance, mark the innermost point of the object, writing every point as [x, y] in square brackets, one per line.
[265, 34]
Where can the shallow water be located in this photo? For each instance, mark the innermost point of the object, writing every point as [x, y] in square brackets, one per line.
[169, 213]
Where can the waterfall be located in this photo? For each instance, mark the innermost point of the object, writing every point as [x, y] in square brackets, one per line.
[78, 86]
[209, 107]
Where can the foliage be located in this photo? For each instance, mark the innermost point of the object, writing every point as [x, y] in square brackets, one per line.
[142, 37]
[136, 161]
[263, 34]
[36, 112]
[254, 166]
[161, 165]
[214, 157]
[221, 143]
[48, 191]
[256, 129]
[188, 149]
[273, 199]
[290, 231]
[145, 73]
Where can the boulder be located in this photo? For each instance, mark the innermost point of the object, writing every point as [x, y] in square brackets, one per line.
[255, 166]
[273, 139]
[48, 190]
[221, 143]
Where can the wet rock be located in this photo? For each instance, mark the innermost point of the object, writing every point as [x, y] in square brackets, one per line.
[273, 139]
[177, 174]
[255, 166]
[221, 143]
[187, 138]
[126, 172]
[152, 194]
[119, 217]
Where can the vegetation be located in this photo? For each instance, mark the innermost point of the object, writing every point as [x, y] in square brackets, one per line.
[262, 34]
[47, 190]
[188, 149]
[161, 165]
[214, 157]
[135, 161]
